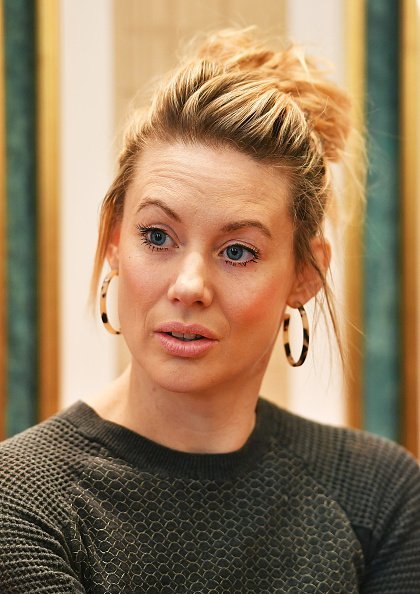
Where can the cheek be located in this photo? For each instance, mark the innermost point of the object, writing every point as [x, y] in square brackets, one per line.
[261, 304]
[140, 283]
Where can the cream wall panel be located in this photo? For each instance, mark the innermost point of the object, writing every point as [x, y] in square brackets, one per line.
[87, 351]
[317, 388]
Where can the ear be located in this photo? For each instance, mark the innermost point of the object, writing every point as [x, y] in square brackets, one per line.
[308, 282]
[112, 252]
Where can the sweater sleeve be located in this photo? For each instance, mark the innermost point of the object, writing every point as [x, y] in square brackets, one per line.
[33, 554]
[393, 563]
[39, 549]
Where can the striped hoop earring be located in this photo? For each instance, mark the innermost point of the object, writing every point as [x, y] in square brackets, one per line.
[305, 345]
[102, 303]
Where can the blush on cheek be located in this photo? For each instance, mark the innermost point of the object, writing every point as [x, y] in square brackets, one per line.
[260, 304]
[141, 287]
[138, 281]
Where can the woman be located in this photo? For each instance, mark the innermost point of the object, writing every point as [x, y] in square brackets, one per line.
[179, 478]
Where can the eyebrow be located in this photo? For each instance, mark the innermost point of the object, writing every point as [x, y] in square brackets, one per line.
[235, 226]
[247, 223]
[160, 204]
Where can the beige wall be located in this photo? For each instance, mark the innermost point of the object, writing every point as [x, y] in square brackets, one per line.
[148, 35]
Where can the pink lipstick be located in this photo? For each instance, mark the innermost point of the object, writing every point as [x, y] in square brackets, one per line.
[185, 340]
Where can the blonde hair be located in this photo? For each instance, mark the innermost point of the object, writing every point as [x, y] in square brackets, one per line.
[275, 106]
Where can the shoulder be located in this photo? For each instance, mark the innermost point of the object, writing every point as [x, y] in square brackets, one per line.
[323, 446]
[56, 437]
[43, 460]
[369, 476]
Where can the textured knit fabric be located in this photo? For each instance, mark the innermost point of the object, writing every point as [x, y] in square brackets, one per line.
[89, 506]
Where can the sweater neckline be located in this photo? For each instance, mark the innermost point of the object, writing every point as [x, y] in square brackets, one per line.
[156, 458]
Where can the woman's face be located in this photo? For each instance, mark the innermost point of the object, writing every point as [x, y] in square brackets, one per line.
[206, 267]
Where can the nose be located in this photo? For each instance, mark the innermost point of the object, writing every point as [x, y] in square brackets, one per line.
[190, 284]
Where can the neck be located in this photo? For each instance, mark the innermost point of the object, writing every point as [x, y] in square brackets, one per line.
[213, 422]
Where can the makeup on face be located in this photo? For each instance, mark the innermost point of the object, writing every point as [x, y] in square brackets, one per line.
[205, 265]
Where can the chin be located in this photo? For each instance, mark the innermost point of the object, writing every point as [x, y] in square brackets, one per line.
[183, 377]
[184, 384]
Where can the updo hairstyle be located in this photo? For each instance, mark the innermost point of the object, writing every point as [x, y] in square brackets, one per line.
[276, 107]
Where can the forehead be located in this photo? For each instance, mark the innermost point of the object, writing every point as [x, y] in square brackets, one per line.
[216, 176]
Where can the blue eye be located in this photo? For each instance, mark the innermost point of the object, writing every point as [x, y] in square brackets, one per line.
[157, 237]
[235, 252]
[240, 255]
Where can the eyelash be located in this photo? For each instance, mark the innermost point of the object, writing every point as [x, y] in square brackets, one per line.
[144, 231]
[255, 256]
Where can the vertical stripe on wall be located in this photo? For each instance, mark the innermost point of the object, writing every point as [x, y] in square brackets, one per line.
[47, 149]
[19, 25]
[410, 203]
[2, 235]
[353, 238]
[381, 283]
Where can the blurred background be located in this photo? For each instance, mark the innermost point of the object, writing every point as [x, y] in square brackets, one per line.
[70, 70]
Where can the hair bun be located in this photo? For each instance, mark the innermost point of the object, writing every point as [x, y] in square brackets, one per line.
[325, 106]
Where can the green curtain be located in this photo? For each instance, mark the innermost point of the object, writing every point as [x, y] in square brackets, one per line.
[382, 373]
[21, 240]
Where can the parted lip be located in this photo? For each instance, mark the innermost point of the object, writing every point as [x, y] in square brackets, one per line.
[181, 328]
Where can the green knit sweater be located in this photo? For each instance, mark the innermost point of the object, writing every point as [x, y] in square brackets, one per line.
[89, 506]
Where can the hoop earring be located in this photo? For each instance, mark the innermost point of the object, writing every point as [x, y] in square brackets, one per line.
[305, 346]
[102, 303]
